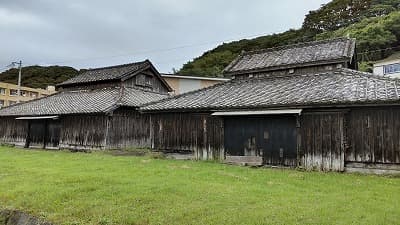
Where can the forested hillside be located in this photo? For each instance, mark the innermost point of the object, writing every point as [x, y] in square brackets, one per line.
[39, 76]
[374, 23]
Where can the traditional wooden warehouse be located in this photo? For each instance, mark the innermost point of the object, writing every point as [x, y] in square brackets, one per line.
[301, 105]
[95, 110]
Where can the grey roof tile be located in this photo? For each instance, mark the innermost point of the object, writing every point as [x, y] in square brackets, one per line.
[340, 49]
[342, 86]
[135, 97]
[107, 73]
[83, 102]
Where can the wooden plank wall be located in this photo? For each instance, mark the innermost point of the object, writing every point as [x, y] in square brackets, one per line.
[83, 131]
[374, 135]
[302, 70]
[128, 128]
[201, 134]
[322, 140]
[139, 81]
[13, 131]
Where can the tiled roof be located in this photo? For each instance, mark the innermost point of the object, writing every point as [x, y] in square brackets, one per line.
[341, 86]
[107, 73]
[309, 53]
[136, 97]
[82, 102]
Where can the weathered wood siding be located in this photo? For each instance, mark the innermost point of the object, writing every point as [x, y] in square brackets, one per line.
[301, 70]
[321, 142]
[84, 131]
[147, 80]
[129, 128]
[201, 134]
[13, 131]
[374, 135]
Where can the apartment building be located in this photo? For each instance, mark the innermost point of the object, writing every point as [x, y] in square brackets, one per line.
[9, 93]
[388, 67]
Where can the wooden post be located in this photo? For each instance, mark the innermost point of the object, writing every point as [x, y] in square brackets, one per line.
[28, 136]
[298, 140]
[46, 128]
[107, 131]
[151, 132]
[205, 150]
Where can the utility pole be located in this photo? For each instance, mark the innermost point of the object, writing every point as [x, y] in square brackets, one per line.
[19, 78]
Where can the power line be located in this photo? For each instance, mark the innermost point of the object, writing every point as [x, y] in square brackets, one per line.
[177, 48]
[157, 50]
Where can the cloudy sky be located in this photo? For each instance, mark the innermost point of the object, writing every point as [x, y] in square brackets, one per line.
[94, 33]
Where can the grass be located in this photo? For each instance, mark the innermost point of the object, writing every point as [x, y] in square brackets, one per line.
[97, 188]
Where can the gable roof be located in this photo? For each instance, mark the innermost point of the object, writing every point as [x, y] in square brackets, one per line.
[342, 86]
[112, 73]
[83, 102]
[290, 56]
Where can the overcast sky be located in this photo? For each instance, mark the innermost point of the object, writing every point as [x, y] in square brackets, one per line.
[95, 33]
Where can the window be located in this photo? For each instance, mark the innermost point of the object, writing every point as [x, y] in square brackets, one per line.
[1, 103]
[2, 91]
[24, 93]
[148, 81]
[13, 92]
[140, 79]
[34, 94]
[392, 68]
[144, 80]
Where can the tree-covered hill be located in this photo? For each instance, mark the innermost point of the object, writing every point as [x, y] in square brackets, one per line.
[39, 76]
[375, 24]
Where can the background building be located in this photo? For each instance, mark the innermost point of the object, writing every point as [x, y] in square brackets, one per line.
[389, 66]
[9, 93]
[183, 84]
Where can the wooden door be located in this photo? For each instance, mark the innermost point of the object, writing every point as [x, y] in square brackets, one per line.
[322, 141]
[271, 137]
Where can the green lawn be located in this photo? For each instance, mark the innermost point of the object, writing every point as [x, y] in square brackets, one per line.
[97, 188]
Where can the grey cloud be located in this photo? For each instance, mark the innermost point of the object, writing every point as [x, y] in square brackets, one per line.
[83, 33]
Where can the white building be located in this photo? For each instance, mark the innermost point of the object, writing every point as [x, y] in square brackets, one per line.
[389, 66]
[182, 84]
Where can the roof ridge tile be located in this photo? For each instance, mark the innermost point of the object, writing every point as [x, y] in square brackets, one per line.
[117, 66]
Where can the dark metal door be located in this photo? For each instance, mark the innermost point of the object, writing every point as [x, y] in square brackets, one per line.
[53, 133]
[43, 133]
[273, 138]
[280, 141]
[37, 129]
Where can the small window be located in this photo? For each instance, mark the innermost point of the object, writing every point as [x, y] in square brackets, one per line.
[392, 68]
[140, 79]
[34, 94]
[149, 81]
[13, 92]
[2, 91]
[24, 93]
[144, 80]
[1, 103]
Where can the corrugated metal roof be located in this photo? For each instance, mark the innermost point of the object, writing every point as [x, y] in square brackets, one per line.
[262, 112]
